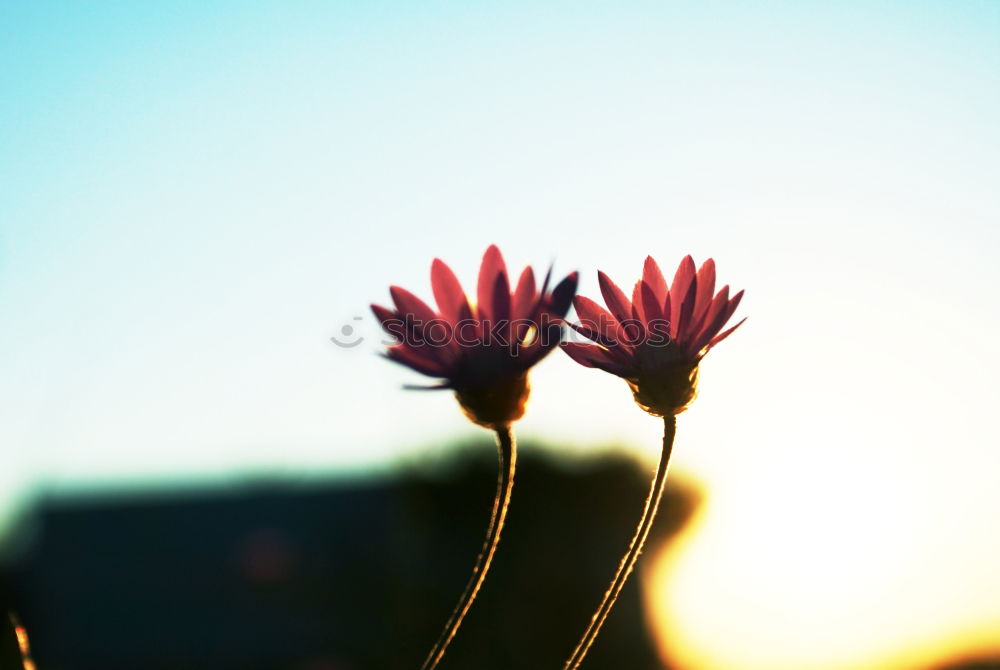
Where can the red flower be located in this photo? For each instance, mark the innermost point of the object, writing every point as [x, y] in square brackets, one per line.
[656, 340]
[483, 352]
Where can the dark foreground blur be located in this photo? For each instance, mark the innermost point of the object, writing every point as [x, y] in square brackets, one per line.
[343, 576]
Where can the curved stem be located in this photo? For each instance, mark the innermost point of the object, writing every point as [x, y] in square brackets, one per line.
[507, 453]
[634, 548]
[14, 650]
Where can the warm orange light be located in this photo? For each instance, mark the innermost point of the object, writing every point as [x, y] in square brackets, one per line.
[840, 562]
[22, 643]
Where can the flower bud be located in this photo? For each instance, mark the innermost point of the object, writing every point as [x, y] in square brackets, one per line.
[495, 405]
[668, 392]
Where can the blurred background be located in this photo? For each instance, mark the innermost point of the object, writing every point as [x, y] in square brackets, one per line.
[200, 200]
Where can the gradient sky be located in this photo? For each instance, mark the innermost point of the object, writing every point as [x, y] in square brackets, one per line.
[197, 196]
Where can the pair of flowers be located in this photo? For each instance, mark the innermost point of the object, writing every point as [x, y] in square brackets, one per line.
[484, 351]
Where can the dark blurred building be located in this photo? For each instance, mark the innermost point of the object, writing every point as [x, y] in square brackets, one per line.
[350, 575]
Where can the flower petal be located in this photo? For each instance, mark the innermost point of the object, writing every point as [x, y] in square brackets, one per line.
[501, 298]
[706, 289]
[683, 327]
[422, 361]
[448, 293]
[652, 275]
[615, 299]
[492, 266]
[562, 295]
[715, 318]
[678, 291]
[581, 353]
[638, 310]
[525, 296]
[386, 316]
[613, 349]
[598, 319]
[651, 304]
[666, 309]
[410, 305]
[545, 340]
[725, 334]
[731, 306]
[426, 327]
[708, 326]
[593, 356]
[545, 282]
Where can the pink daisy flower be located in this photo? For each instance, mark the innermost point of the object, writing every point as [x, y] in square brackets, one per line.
[656, 340]
[482, 351]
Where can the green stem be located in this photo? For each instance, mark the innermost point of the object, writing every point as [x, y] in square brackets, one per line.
[634, 548]
[507, 453]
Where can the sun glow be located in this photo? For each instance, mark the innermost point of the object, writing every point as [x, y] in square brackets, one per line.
[840, 566]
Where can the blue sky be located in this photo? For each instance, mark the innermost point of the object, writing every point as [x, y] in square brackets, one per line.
[196, 196]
